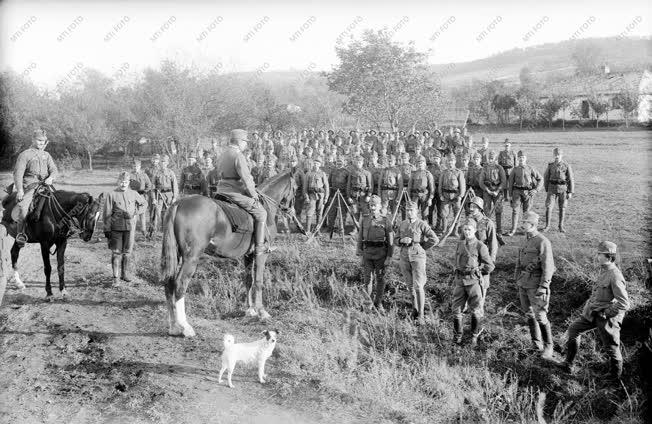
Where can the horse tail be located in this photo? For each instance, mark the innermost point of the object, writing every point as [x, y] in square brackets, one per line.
[170, 251]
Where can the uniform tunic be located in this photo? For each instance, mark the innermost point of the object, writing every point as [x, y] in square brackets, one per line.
[523, 179]
[120, 209]
[191, 179]
[492, 178]
[237, 183]
[32, 166]
[359, 185]
[473, 178]
[472, 263]
[375, 244]
[557, 181]
[421, 189]
[316, 192]
[534, 268]
[413, 256]
[452, 186]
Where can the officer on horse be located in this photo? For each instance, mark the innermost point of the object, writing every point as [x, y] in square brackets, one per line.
[33, 166]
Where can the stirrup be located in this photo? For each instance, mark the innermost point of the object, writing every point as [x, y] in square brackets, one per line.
[21, 239]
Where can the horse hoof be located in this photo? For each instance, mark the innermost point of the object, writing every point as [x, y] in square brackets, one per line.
[188, 332]
[179, 331]
[251, 312]
[263, 315]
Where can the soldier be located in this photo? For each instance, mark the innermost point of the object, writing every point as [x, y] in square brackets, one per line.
[473, 174]
[358, 188]
[421, 187]
[257, 169]
[316, 192]
[559, 184]
[269, 170]
[191, 177]
[484, 151]
[154, 167]
[452, 187]
[337, 180]
[389, 186]
[376, 246]
[33, 166]
[507, 159]
[524, 182]
[492, 182]
[414, 237]
[411, 144]
[472, 264]
[121, 206]
[533, 274]
[212, 178]
[299, 200]
[166, 190]
[141, 184]
[435, 210]
[604, 310]
[462, 160]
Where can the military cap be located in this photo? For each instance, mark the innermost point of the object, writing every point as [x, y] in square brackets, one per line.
[477, 200]
[607, 247]
[531, 217]
[426, 132]
[491, 154]
[438, 131]
[124, 176]
[254, 132]
[237, 136]
[520, 153]
[137, 162]
[39, 135]
[374, 200]
[557, 151]
[411, 205]
[165, 158]
[457, 130]
[412, 136]
[477, 155]
[420, 159]
[470, 222]
[507, 141]
[372, 132]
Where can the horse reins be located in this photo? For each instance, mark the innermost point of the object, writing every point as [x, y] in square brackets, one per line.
[67, 218]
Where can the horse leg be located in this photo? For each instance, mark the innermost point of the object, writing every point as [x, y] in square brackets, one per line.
[188, 267]
[259, 279]
[248, 282]
[15, 251]
[61, 266]
[47, 269]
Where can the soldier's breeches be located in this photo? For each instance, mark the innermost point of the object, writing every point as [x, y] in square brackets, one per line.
[414, 272]
[607, 329]
[375, 267]
[299, 202]
[491, 202]
[472, 296]
[534, 306]
[447, 205]
[19, 212]
[552, 198]
[520, 200]
[121, 242]
[315, 205]
[250, 205]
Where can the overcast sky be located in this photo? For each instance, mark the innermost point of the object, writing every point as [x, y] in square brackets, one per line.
[46, 41]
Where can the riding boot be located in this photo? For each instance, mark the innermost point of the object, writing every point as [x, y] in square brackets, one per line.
[21, 236]
[115, 264]
[499, 222]
[562, 214]
[615, 369]
[514, 223]
[547, 227]
[457, 329]
[476, 329]
[546, 333]
[259, 238]
[126, 268]
[571, 352]
[535, 333]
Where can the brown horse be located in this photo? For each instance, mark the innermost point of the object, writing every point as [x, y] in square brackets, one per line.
[62, 214]
[194, 223]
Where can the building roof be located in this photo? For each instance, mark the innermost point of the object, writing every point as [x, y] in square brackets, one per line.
[605, 84]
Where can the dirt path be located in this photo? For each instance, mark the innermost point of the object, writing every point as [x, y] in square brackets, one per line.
[104, 356]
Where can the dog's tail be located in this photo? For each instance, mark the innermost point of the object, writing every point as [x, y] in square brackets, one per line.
[228, 340]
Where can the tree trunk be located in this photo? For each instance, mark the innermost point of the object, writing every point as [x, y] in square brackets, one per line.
[521, 124]
[596, 121]
[90, 160]
[626, 119]
[5, 263]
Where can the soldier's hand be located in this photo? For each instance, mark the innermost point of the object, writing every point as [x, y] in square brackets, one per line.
[49, 181]
[441, 198]
[541, 292]
[20, 194]
[569, 195]
[429, 202]
[406, 240]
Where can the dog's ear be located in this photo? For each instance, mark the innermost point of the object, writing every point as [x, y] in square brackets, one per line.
[266, 333]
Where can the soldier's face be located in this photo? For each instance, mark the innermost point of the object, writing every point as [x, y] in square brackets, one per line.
[508, 146]
[156, 163]
[412, 213]
[436, 160]
[208, 163]
[602, 259]
[123, 184]
[358, 164]
[40, 143]
[469, 232]
[528, 227]
[557, 157]
[492, 160]
[316, 165]
[522, 160]
[421, 165]
[136, 167]
[164, 164]
[474, 209]
[476, 161]
[374, 207]
[192, 161]
[451, 163]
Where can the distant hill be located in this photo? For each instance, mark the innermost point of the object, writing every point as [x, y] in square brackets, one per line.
[551, 60]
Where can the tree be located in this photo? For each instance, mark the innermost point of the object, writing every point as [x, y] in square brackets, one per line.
[526, 105]
[551, 107]
[627, 100]
[600, 106]
[503, 104]
[381, 79]
[587, 56]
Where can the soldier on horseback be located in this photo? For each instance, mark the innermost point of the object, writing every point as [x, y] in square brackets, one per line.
[33, 166]
[237, 184]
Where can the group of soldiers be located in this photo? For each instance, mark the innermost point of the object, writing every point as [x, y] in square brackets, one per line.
[387, 172]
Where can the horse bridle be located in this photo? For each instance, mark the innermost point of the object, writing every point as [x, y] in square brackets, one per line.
[68, 218]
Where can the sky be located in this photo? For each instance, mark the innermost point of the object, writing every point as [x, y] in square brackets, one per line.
[51, 42]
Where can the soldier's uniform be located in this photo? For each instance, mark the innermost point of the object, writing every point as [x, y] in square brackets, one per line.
[316, 192]
[269, 171]
[411, 145]
[191, 179]
[165, 192]
[389, 186]
[473, 178]
[413, 255]
[558, 182]
[451, 190]
[120, 210]
[299, 199]
[523, 183]
[534, 269]
[33, 166]
[435, 218]
[605, 311]
[375, 245]
[472, 263]
[141, 184]
[507, 159]
[212, 179]
[375, 170]
[421, 188]
[337, 180]
[492, 178]
[358, 188]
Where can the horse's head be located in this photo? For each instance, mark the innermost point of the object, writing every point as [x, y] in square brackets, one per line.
[88, 220]
[281, 188]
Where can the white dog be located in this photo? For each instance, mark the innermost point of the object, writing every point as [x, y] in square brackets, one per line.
[253, 352]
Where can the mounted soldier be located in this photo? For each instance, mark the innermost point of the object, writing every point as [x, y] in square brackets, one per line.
[33, 167]
[238, 186]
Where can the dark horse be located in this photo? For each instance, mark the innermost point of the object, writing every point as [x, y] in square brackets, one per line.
[62, 213]
[193, 223]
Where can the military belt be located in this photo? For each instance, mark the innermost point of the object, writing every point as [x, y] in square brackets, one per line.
[507, 166]
[374, 243]
[230, 178]
[386, 187]
[557, 182]
[445, 190]
[142, 191]
[316, 190]
[424, 190]
[165, 190]
[460, 272]
[521, 188]
[406, 244]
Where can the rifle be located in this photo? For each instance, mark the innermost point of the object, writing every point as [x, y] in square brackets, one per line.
[457, 218]
[398, 204]
[499, 236]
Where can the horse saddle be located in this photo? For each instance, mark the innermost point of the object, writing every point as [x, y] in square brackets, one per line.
[241, 221]
[35, 208]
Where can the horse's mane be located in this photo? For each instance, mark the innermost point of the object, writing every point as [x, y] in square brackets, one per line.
[272, 181]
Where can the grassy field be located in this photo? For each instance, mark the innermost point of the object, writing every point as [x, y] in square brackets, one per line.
[338, 352]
